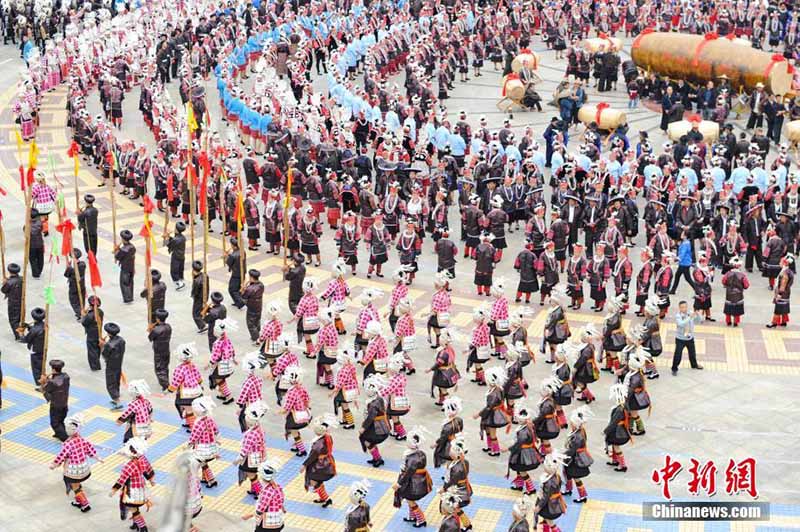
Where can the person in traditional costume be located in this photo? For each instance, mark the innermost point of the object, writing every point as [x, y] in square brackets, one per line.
[550, 503]
[138, 414]
[405, 334]
[297, 409]
[598, 271]
[375, 427]
[524, 455]
[439, 317]
[484, 264]
[650, 337]
[519, 337]
[556, 326]
[445, 373]
[585, 370]
[783, 293]
[204, 438]
[357, 515]
[345, 387]
[493, 416]
[617, 432]
[644, 279]
[223, 361]
[547, 268]
[347, 238]
[638, 397]
[74, 459]
[498, 318]
[253, 450]
[456, 483]
[413, 482]
[452, 426]
[579, 458]
[479, 350]
[186, 383]
[320, 466]
[663, 282]
[307, 316]
[450, 507]
[327, 346]
[614, 340]
[337, 292]
[270, 508]
[377, 237]
[132, 483]
[525, 264]
[546, 421]
[519, 514]
[701, 281]
[576, 273]
[735, 283]
[277, 371]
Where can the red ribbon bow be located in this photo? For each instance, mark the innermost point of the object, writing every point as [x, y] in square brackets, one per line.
[774, 60]
[65, 228]
[638, 40]
[600, 108]
[73, 150]
[510, 77]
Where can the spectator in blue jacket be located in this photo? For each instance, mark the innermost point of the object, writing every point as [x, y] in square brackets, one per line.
[685, 262]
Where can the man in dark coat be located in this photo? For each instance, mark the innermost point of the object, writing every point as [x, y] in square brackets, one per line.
[232, 261]
[36, 250]
[113, 353]
[90, 327]
[176, 245]
[199, 296]
[295, 274]
[34, 339]
[56, 392]
[160, 336]
[12, 290]
[77, 297]
[217, 311]
[253, 296]
[446, 252]
[754, 229]
[159, 299]
[87, 221]
[125, 255]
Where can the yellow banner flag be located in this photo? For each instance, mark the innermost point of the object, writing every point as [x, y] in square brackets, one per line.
[77, 165]
[20, 142]
[33, 154]
[288, 197]
[190, 119]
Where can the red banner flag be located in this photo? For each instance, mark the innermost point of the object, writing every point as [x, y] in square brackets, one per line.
[22, 182]
[65, 228]
[170, 191]
[203, 199]
[94, 271]
[148, 204]
[73, 150]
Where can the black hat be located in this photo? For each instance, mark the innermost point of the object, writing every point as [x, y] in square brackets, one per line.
[111, 328]
[13, 268]
[233, 241]
[255, 274]
[197, 265]
[216, 297]
[155, 275]
[89, 198]
[299, 258]
[162, 314]
[57, 364]
[180, 227]
[125, 235]
[37, 314]
[34, 213]
[77, 252]
[94, 299]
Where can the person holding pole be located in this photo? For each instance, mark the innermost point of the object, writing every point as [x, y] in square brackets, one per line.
[56, 392]
[234, 260]
[34, 339]
[36, 245]
[92, 323]
[253, 295]
[160, 336]
[12, 290]
[113, 353]
[176, 245]
[199, 295]
[76, 284]
[87, 221]
[158, 299]
[125, 255]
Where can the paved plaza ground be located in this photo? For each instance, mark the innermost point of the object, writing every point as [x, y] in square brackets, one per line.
[744, 404]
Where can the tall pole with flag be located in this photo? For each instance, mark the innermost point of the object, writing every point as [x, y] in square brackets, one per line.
[65, 227]
[49, 293]
[223, 181]
[191, 175]
[73, 153]
[286, 202]
[95, 281]
[149, 241]
[26, 182]
[111, 159]
[239, 224]
[205, 166]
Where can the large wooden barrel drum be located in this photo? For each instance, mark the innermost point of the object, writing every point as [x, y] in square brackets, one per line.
[793, 131]
[606, 117]
[525, 56]
[609, 44]
[699, 58]
[513, 88]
